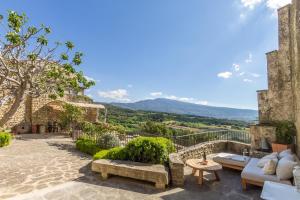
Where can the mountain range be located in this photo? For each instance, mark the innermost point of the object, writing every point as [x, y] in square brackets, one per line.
[178, 107]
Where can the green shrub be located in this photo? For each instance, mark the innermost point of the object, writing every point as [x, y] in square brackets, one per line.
[153, 150]
[101, 155]
[5, 139]
[87, 146]
[285, 132]
[117, 153]
[108, 141]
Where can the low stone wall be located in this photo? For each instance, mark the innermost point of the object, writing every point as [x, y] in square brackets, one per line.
[177, 160]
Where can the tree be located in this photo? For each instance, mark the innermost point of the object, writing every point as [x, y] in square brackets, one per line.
[29, 65]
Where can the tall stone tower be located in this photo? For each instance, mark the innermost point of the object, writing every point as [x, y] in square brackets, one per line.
[282, 99]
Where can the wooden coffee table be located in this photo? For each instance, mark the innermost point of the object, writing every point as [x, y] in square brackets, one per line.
[211, 166]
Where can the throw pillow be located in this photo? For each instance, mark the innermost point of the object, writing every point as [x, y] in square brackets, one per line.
[284, 169]
[261, 163]
[270, 167]
[284, 153]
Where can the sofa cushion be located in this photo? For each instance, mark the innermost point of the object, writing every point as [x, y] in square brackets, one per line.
[270, 167]
[284, 153]
[231, 159]
[254, 173]
[285, 168]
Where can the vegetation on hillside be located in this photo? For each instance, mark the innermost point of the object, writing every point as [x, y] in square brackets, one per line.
[165, 123]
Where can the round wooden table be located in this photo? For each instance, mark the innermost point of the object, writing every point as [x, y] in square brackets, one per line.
[211, 166]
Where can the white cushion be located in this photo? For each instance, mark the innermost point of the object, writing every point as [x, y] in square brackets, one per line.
[290, 157]
[284, 153]
[270, 167]
[261, 163]
[231, 159]
[284, 169]
[254, 173]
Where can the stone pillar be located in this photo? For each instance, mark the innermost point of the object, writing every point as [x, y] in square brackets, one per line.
[176, 169]
[295, 34]
[261, 131]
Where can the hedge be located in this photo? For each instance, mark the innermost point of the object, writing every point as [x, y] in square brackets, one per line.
[153, 150]
[87, 146]
[5, 139]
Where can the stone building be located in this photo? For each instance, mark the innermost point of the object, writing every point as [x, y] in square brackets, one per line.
[281, 102]
[44, 110]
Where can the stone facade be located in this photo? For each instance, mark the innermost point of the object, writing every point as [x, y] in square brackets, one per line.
[40, 111]
[281, 102]
[177, 160]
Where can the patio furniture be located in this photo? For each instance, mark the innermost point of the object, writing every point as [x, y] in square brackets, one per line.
[279, 191]
[197, 166]
[254, 175]
[157, 174]
[232, 161]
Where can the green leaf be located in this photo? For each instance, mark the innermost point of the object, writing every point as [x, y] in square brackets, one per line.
[13, 38]
[42, 40]
[64, 56]
[16, 21]
[32, 56]
[69, 45]
[47, 30]
[77, 58]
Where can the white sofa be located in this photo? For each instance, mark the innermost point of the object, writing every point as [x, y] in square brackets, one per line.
[254, 175]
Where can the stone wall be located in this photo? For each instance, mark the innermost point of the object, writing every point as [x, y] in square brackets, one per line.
[281, 101]
[40, 111]
[177, 160]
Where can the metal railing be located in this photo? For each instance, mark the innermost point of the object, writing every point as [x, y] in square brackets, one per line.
[182, 142]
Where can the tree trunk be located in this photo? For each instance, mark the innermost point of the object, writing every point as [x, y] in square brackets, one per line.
[14, 107]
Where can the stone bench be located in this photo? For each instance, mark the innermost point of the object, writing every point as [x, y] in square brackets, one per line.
[157, 174]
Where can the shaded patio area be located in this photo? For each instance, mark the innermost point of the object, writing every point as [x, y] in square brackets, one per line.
[39, 167]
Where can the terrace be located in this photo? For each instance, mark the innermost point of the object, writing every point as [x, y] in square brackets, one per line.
[49, 167]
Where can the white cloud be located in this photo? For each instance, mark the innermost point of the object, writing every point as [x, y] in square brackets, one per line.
[225, 75]
[236, 67]
[271, 4]
[156, 94]
[249, 59]
[242, 73]
[91, 79]
[119, 95]
[275, 4]
[250, 3]
[187, 100]
[255, 75]
[247, 80]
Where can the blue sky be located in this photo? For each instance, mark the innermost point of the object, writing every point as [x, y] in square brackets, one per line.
[199, 51]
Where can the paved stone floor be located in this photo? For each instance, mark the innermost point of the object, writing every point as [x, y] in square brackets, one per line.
[49, 167]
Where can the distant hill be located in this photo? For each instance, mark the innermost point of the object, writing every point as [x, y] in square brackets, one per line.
[178, 107]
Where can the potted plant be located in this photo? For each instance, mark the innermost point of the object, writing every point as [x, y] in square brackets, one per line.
[285, 133]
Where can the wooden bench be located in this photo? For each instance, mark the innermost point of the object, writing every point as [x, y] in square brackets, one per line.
[157, 174]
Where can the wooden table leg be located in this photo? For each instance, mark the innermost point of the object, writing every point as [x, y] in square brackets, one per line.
[217, 175]
[194, 172]
[200, 178]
